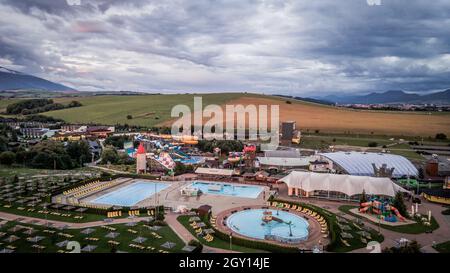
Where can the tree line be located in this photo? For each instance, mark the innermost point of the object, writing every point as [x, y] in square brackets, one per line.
[34, 106]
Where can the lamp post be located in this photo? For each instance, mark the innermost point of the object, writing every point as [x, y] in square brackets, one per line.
[231, 237]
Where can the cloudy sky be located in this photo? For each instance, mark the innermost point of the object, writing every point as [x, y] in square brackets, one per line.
[297, 47]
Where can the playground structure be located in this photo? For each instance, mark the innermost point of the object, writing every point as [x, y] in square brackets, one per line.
[268, 217]
[384, 210]
[247, 156]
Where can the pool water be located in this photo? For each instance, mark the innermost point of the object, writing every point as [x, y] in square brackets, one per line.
[249, 223]
[131, 194]
[236, 190]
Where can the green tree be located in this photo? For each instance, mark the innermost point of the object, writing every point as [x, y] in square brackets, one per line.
[7, 158]
[441, 136]
[400, 204]
[79, 152]
[110, 155]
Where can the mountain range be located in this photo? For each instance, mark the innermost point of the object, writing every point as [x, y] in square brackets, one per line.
[11, 80]
[389, 97]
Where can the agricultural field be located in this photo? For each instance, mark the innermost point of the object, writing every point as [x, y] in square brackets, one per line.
[313, 117]
[146, 110]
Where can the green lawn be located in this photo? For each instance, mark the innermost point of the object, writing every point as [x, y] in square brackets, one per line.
[125, 238]
[416, 228]
[217, 243]
[146, 110]
[312, 141]
[443, 247]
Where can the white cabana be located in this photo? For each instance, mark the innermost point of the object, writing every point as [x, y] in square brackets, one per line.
[347, 184]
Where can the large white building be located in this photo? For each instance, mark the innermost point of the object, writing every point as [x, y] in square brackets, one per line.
[362, 163]
[342, 186]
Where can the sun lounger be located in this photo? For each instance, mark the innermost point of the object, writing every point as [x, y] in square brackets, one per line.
[345, 242]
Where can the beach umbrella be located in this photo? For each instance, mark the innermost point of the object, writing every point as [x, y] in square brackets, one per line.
[140, 240]
[29, 231]
[87, 231]
[62, 244]
[89, 248]
[112, 235]
[168, 245]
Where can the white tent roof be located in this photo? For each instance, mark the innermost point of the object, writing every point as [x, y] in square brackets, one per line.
[287, 162]
[357, 163]
[347, 184]
[213, 171]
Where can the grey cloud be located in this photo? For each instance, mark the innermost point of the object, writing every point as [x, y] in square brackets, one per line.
[271, 46]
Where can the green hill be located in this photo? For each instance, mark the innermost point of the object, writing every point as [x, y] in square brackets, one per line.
[146, 110]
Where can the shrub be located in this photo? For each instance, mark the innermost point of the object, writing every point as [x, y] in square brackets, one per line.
[372, 144]
[441, 136]
[7, 158]
[129, 117]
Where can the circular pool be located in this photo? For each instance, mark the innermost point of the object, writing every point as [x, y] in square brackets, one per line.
[269, 224]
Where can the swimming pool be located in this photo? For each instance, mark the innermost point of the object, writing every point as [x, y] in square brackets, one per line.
[131, 194]
[236, 190]
[269, 224]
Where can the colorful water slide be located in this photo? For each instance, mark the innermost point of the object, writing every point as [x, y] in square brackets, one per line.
[180, 154]
[397, 213]
[364, 209]
[165, 160]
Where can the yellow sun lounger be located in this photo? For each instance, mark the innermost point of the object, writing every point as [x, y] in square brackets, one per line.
[345, 242]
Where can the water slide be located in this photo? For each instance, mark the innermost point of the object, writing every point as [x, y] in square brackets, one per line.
[364, 208]
[180, 154]
[397, 213]
[165, 160]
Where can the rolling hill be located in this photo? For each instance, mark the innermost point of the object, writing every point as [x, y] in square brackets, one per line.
[154, 110]
[11, 80]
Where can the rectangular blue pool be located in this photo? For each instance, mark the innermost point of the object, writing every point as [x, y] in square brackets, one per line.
[131, 194]
[228, 189]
